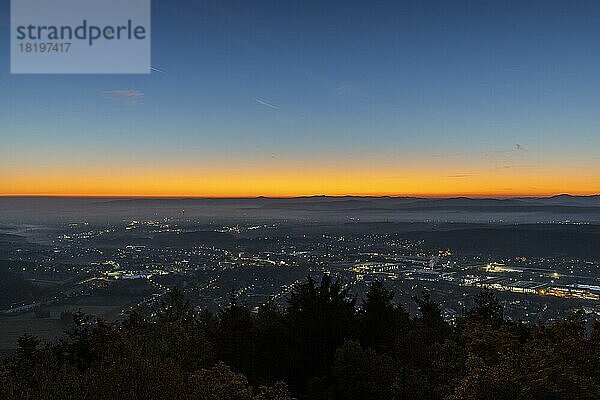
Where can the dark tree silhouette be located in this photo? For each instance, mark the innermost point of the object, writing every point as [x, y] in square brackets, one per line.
[381, 322]
[320, 318]
[320, 345]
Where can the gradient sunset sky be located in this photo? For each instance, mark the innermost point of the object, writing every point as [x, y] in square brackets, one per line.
[287, 98]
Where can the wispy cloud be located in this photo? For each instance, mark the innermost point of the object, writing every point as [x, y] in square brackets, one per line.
[123, 96]
[515, 166]
[518, 147]
[460, 176]
[349, 90]
[266, 104]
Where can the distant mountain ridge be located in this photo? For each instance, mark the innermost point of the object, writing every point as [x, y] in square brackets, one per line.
[562, 198]
[373, 208]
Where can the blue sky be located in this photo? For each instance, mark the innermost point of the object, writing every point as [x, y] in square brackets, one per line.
[443, 85]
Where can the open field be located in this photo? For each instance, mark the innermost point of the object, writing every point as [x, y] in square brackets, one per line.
[12, 327]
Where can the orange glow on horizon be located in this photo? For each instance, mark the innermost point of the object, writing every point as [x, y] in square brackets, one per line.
[292, 182]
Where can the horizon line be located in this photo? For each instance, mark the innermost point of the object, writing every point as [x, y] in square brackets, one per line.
[249, 197]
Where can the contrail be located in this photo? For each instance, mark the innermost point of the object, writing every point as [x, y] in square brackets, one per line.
[264, 103]
[157, 70]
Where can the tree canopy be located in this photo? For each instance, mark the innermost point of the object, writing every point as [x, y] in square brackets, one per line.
[323, 345]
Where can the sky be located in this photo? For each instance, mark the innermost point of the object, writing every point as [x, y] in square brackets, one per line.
[290, 98]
